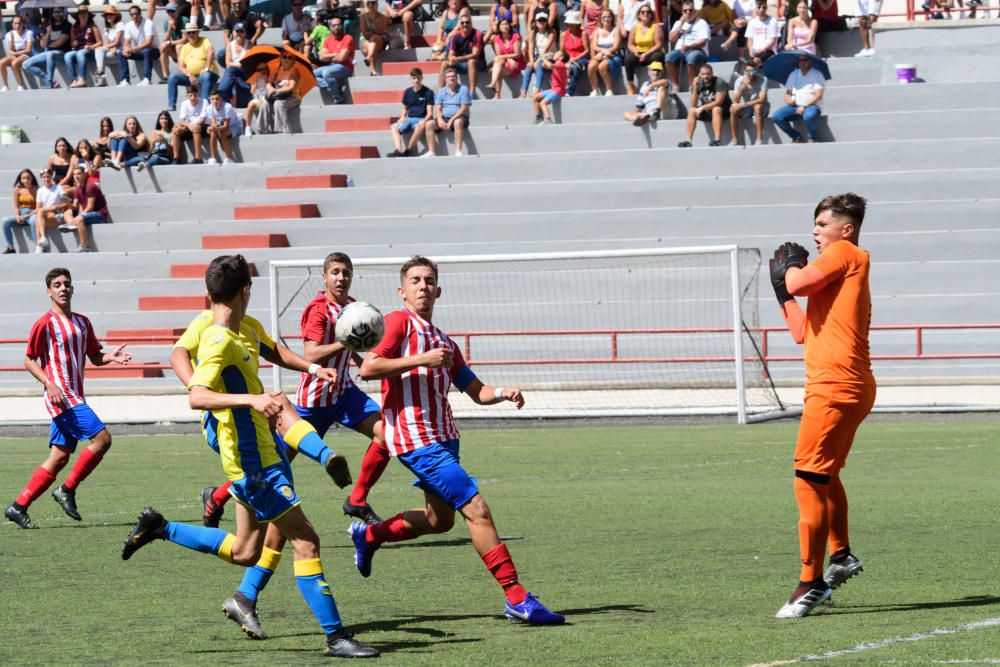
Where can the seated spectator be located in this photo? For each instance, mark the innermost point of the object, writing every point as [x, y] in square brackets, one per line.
[281, 97]
[174, 37]
[232, 80]
[126, 144]
[102, 144]
[628, 15]
[502, 10]
[195, 66]
[802, 30]
[190, 123]
[652, 97]
[223, 123]
[313, 41]
[25, 190]
[718, 15]
[827, 16]
[645, 45]
[606, 58]
[85, 39]
[337, 56]
[89, 208]
[762, 33]
[113, 39]
[465, 53]
[803, 92]
[295, 26]
[451, 112]
[709, 102]
[55, 42]
[59, 161]
[239, 12]
[51, 204]
[690, 40]
[140, 41]
[543, 41]
[509, 59]
[160, 149]
[259, 93]
[556, 90]
[447, 26]
[418, 109]
[17, 45]
[576, 45]
[406, 13]
[89, 159]
[750, 101]
[592, 10]
[742, 12]
[374, 35]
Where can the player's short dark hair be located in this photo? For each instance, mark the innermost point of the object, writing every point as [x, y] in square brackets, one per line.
[55, 273]
[226, 276]
[847, 205]
[417, 260]
[337, 258]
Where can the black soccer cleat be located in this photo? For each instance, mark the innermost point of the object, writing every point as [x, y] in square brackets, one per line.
[363, 512]
[336, 468]
[244, 615]
[150, 527]
[342, 644]
[67, 500]
[20, 517]
[212, 511]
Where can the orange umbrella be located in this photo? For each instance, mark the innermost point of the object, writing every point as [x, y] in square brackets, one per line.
[271, 56]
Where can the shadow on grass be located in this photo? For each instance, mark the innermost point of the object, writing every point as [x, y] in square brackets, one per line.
[972, 601]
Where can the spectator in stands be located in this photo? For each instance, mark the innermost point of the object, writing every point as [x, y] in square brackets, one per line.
[451, 112]
[689, 38]
[113, 39]
[417, 111]
[232, 78]
[314, 42]
[750, 101]
[576, 45]
[195, 65]
[190, 123]
[281, 97]
[762, 33]
[51, 204]
[803, 92]
[374, 35]
[102, 144]
[718, 15]
[557, 88]
[502, 9]
[628, 15]
[174, 37]
[542, 43]
[160, 149]
[742, 13]
[58, 163]
[32, 18]
[645, 45]
[446, 26]
[126, 144]
[25, 190]
[239, 12]
[259, 93]
[88, 158]
[56, 44]
[709, 102]
[89, 208]
[405, 12]
[509, 59]
[827, 16]
[802, 30]
[652, 97]
[295, 26]
[591, 10]
[139, 42]
[85, 39]
[605, 50]
[337, 56]
[18, 45]
[223, 124]
[465, 53]
[869, 10]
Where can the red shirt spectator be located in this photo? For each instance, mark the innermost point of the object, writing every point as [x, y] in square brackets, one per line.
[334, 45]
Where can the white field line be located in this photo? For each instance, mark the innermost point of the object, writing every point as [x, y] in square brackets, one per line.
[882, 643]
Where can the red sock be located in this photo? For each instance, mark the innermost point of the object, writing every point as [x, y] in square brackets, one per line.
[40, 480]
[372, 467]
[390, 530]
[221, 494]
[85, 464]
[500, 565]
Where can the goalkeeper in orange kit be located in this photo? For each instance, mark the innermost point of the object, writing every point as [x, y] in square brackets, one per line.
[840, 387]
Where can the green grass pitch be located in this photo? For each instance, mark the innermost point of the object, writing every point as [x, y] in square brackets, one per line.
[663, 545]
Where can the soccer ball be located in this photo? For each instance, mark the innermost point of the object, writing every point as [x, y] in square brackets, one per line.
[359, 326]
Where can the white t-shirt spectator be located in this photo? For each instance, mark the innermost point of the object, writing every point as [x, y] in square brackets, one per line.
[191, 113]
[137, 34]
[295, 29]
[111, 33]
[47, 197]
[804, 86]
[16, 42]
[759, 33]
[692, 33]
[741, 12]
[226, 112]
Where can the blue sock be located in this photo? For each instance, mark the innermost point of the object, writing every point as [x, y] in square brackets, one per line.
[312, 445]
[256, 577]
[199, 538]
[312, 583]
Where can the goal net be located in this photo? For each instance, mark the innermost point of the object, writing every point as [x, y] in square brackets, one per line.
[618, 333]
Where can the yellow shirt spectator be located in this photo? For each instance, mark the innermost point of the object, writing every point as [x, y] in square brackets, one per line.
[715, 14]
[197, 56]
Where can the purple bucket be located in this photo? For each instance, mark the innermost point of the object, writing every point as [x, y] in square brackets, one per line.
[906, 73]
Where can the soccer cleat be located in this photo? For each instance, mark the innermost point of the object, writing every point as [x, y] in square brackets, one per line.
[532, 611]
[342, 644]
[363, 512]
[67, 500]
[336, 468]
[837, 573]
[363, 551]
[212, 512]
[150, 527]
[802, 604]
[20, 517]
[246, 618]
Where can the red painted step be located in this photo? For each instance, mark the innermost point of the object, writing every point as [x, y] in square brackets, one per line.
[280, 211]
[358, 124]
[427, 40]
[377, 96]
[116, 337]
[403, 68]
[173, 302]
[130, 371]
[198, 270]
[243, 241]
[306, 181]
[336, 153]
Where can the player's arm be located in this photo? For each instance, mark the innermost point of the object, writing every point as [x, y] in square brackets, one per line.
[788, 257]
[203, 398]
[318, 353]
[180, 362]
[375, 367]
[314, 326]
[51, 388]
[484, 394]
[117, 356]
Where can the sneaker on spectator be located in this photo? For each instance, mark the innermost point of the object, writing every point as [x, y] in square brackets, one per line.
[100, 81]
[211, 160]
[608, 93]
[594, 93]
[715, 142]
[228, 161]
[4, 89]
[427, 154]
[144, 82]
[53, 86]
[43, 242]
[198, 161]
[459, 153]
[23, 88]
[66, 227]
[123, 83]
[683, 144]
[39, 249]
[83, 248]
[395, 153]
[248, 131]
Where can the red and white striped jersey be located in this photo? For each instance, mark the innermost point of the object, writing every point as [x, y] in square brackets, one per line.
[415, 407]
[318, 321]
[61, 346]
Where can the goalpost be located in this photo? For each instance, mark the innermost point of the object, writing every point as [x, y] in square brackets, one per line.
[672, 331]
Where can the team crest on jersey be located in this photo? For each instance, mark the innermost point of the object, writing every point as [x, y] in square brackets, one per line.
[287, 491]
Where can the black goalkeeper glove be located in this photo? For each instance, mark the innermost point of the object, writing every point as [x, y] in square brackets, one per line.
[796, 254]
[778, 265]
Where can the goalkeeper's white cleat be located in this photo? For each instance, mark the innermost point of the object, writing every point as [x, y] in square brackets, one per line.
[803, 601]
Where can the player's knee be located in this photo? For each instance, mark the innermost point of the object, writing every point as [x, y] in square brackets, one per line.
[441, 523]
[101, 442]
[245, 555]
[477, 511]
[58, 457]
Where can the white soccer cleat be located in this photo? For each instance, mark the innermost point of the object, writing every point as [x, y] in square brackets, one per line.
[804, 604]
[837, 573]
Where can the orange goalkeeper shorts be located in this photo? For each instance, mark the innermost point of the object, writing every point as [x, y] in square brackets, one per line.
[830, 418]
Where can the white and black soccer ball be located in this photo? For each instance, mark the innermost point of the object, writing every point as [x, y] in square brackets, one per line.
[360, 326]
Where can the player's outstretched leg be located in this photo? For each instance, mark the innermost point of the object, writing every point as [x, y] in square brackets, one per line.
[372, 466]
[301, 437]
[153, 526]
[213, 501]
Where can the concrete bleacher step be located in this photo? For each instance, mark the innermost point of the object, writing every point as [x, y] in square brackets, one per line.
[275, 211]
[306, 181]
[240, 241]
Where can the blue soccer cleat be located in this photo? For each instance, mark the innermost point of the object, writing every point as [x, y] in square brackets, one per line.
[532, 611]
[363, 551]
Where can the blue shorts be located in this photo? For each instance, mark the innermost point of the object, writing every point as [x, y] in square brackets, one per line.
[408, 124]
[350, 410]
[209, 426]
[695, 57]
[439, 472]
[268, 493]
[76, 424]
[550, 96]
